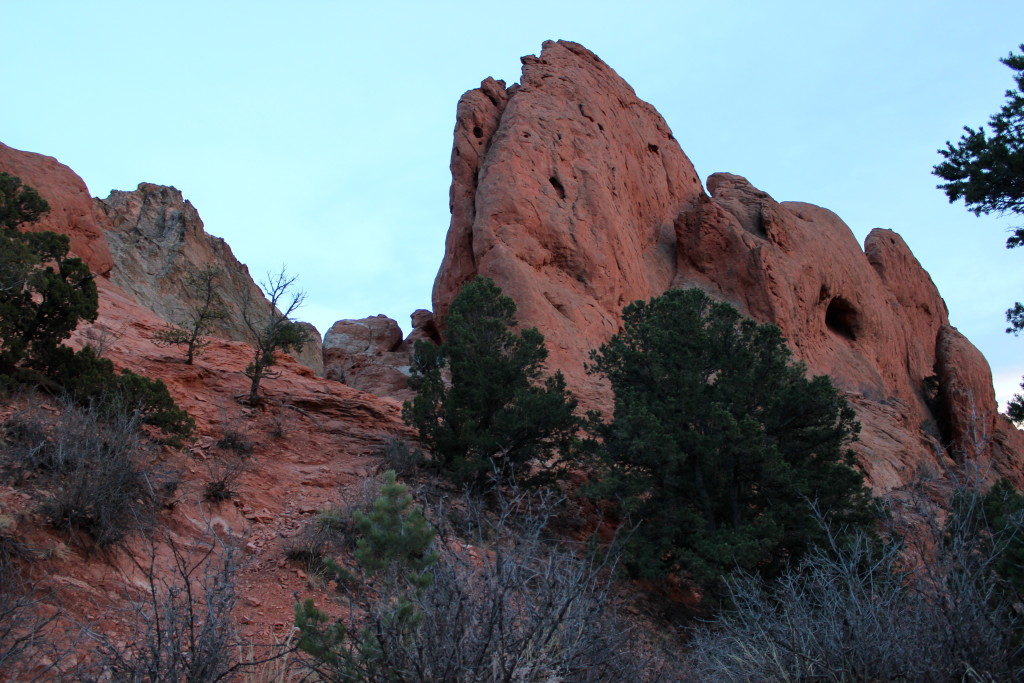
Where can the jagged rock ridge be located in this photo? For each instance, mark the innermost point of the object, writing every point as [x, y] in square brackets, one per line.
[146, 242]
[157, 239]
[574, 196]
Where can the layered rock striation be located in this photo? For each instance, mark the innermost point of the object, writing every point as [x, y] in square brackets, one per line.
[574, 196]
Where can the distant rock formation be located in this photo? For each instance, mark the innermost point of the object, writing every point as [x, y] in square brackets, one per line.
[370, 354]
[146, 241]
[574, 196]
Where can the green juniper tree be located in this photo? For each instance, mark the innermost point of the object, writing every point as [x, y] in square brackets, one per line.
[19, 204]
[719, 443]
[986, 170]
[44, 295]
[497, 419]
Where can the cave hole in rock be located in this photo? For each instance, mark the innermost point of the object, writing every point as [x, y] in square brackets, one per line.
[842, 318]
[557, 184]
[478, 132]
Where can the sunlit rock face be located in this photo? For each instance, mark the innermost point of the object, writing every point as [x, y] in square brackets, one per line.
[574, 196]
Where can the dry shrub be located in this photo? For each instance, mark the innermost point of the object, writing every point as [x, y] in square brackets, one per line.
[509, 605]
[180, 625]
[29, 648]
[332, 532]
[931, 609]
[223, 471]
[90, 467]
[401, 456]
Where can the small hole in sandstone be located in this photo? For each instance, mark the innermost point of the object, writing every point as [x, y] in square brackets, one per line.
[652, 148]
[842, 318]
[478, 131]
[557, 184]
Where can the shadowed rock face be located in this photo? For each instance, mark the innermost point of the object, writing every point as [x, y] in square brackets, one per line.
[365, 354]
[573, 195]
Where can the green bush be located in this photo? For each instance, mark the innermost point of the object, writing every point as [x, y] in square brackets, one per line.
[89, 378]
[497, 419]
[719, 441]
[44, 295]
[394, 547]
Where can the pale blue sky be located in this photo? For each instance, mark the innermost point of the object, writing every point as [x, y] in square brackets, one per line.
[318, 134]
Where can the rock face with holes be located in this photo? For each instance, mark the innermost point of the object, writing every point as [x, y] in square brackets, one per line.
[565, 189]
[573, 195]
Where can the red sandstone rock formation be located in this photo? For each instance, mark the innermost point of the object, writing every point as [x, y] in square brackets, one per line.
[370, 354]
[565, 189]
[573, 195]
[313, 439]
[364, 354]
[71, 207]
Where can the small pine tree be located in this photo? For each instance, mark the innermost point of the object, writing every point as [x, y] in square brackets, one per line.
[395, 547]
[395, 535]
[207, 309]
[497, 417]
